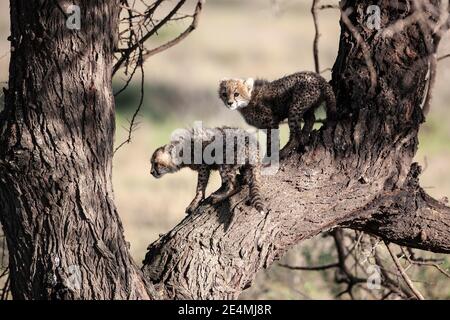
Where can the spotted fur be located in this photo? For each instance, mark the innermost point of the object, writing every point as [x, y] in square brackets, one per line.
[266, 104]
[248, 165]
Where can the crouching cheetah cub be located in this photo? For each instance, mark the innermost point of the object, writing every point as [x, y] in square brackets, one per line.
[265, 104]
[228, 150]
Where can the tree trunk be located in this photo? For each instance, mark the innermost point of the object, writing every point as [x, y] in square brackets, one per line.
[356, 172]
[64, 235]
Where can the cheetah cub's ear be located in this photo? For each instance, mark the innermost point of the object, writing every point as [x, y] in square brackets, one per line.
[249, 84]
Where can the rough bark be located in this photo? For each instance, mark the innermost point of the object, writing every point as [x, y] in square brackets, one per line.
[357, 172]
[56, 139]
[408, 217]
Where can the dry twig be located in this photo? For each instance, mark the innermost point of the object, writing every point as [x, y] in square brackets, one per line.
[403, 274]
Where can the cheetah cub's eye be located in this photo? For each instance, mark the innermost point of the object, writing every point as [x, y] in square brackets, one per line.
[236, 94]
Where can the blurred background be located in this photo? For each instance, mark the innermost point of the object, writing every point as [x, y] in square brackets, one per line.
[252, 38]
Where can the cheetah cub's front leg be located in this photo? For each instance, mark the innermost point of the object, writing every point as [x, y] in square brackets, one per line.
[202, 183]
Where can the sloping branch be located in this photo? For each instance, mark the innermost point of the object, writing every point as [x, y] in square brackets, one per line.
[143, 26]
[314, 9]
[180, 37]
[409, 217]
[403, 274]
[139, 42]
[216, 252]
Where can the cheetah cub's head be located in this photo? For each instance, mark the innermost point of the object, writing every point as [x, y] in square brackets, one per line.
[162, 161]
[236, 93]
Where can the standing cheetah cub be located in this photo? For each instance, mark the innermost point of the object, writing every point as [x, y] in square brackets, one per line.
[265, 104]
[227, 150]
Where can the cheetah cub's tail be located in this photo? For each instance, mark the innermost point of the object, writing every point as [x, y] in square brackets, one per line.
[255, 191]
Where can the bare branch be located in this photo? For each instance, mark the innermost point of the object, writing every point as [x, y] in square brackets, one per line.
[4, 269]
[403, 273]
[128, 81]
[425, 263]
[127, 52]
[312, 268]
[183, 35]
[141, 26]
[5, 291]
[393, 285]
[328, 6]
[315, 3]
[444, 57]
[138, 109]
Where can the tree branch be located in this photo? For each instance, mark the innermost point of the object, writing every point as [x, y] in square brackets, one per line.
[133, 123]
[403, 273]
[444, 57]
[231, 242]
[182, 36]
[408, 217]
[315, 3]
[310, 268]
[146, 36]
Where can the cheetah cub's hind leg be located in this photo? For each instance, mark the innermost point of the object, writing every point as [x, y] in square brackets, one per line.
[228, 174]
[294, 118]
[303, 108]
[309, 119]
[307, 102]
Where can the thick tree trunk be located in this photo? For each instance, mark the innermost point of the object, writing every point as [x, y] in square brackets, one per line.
[64, 235]
[354, 173]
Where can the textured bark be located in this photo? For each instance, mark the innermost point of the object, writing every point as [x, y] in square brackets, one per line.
[353, 173]
[56, 139]
[409, 217]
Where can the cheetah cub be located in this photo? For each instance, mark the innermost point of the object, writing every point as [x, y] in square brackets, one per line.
[265, 104]
[228, 150]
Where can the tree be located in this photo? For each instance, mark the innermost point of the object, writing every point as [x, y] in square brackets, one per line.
[56, 150]
[56, 138]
